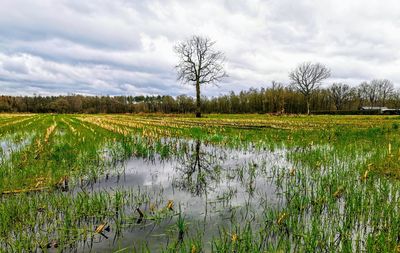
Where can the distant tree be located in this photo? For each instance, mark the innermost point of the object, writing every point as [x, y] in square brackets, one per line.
[339, 93]
[4, 104]
[60, 105]
[168, 104]
[369, 92]
[307, 77]
[384, 89]
[275, 98]
[278, 97]
[199, 64]
[396, 99]
[185, 103]
[75, 102]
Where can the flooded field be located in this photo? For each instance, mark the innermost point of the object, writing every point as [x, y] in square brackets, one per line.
[210, 185]
[224, 183]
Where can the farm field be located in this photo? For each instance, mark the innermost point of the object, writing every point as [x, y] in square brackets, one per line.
[221, 183]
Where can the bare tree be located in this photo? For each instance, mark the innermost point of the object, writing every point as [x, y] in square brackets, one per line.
[199, 64]
[396, 99]
[369, 92]
[307, 77]
[339, 93]
[197, 172]
[278, 97]
[384, 89]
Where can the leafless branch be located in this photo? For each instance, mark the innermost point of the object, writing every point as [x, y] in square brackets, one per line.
[199, 62]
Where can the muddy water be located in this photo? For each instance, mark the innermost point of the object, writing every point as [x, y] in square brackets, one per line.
[10, 145]
[213, 187]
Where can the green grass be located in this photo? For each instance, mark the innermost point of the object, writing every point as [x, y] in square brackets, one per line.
[341, 194]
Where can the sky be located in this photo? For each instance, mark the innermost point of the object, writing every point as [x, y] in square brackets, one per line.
[122, 47]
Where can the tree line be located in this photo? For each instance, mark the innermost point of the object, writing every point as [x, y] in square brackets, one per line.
[276, 98]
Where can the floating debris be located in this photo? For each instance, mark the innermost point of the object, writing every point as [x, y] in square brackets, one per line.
[53, 244]
[281, 218]
[338, 193]
[170, 205]
[24, 190]
[234, 237]
[102, 227]
[141, 215]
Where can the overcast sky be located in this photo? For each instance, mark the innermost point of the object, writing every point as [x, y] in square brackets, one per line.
[123, 47]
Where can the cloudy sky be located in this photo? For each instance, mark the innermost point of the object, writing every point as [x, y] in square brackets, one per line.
[121, 47]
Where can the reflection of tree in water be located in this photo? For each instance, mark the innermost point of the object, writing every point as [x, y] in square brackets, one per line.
[198, 170]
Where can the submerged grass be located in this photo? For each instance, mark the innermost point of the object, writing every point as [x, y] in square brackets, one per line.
[340, 194]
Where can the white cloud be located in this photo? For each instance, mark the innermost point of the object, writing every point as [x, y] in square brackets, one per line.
[120, 47]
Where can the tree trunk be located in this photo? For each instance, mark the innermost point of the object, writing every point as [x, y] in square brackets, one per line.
[308, 105]
[198, 105]
[338, 106]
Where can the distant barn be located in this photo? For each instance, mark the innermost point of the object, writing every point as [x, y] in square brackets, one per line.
[382, 110]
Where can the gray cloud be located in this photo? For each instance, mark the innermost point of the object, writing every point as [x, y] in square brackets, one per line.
[126, 47]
